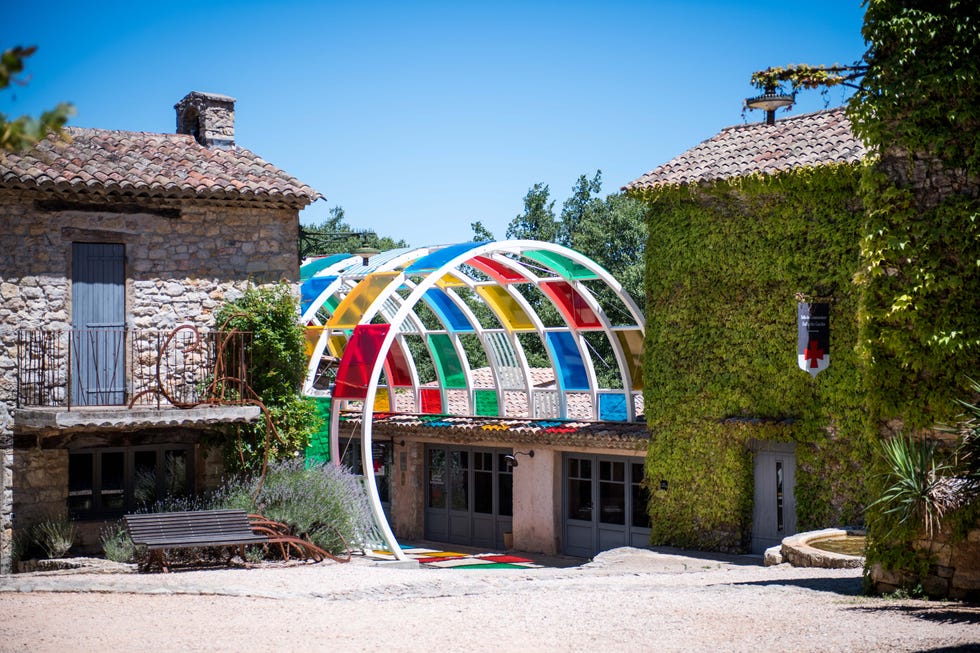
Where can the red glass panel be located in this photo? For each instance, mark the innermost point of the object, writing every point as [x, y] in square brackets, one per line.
[397, 368]
[571, 304]
[358, 361]
[431, 400]
[497, 271]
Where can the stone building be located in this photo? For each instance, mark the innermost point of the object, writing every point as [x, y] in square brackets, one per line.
[743, 228]
[109, 241]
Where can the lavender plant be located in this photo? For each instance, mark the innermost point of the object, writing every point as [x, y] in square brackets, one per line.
[312, 501]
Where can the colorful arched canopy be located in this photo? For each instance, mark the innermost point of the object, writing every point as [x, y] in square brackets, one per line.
[471, 329]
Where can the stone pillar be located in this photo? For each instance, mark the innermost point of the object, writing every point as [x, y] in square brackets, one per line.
[6, 490]
[408, 491]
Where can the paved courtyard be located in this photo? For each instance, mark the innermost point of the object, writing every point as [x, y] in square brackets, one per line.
[625, 600]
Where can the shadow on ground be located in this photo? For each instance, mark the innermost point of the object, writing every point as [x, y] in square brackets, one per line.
[844, 586]
[940, 613]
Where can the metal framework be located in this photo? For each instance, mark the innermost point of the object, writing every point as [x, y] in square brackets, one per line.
[373, 324]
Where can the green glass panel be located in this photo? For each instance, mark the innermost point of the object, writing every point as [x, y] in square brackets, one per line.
[486, 403]
[318, 450]
[563, 265]
[447, 362]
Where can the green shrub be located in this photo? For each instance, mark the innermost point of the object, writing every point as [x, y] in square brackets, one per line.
[55, 536]
[116, 543]
[278, 365]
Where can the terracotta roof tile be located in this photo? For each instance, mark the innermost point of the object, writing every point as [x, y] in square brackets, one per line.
[809, 139]
[102, 162]
[615, 435]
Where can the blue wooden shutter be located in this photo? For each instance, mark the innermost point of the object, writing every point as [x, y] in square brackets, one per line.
[98, 324]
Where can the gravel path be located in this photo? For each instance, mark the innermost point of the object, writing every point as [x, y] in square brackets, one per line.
[625, 600]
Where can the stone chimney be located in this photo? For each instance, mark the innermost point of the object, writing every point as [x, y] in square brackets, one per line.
[208, 117]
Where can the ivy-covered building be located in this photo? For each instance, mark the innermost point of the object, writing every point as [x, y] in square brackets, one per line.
[745, 446]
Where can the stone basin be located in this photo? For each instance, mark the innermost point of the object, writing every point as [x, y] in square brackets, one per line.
[797, 550]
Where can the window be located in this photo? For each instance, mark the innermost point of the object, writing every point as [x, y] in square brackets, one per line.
[104, 482]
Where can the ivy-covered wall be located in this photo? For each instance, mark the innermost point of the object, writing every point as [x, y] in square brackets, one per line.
[726, 263]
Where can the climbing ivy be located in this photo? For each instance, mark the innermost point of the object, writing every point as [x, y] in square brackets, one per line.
[726, 262]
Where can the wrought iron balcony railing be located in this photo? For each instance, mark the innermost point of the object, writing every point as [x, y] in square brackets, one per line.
[123, 367]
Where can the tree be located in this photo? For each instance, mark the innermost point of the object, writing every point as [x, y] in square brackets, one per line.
[578, 207]
[612, 232]
[481, 233]
[22, 132]
[537, 222]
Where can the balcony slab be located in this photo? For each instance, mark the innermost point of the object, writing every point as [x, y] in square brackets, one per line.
[121, 418]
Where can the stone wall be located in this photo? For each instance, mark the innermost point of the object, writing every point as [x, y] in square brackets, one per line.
[183, 260]
[40, 482]
[954, 571]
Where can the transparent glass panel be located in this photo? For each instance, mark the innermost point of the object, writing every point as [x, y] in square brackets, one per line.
[459, 479]
[483, 482]
[437, 478]
[579, 489]
[640, 498]
[612, 492]
[505, 488]
[113, 477]
[80, 481]
[145, 477]
[175, 470]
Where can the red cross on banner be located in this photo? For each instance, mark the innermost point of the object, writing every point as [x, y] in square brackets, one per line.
[813, 337]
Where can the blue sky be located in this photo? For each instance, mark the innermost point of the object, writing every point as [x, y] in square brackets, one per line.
[420, 118]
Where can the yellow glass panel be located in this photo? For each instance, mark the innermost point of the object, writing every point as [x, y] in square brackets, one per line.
[336, 345]
[358, 300]
[312, 335]
[632, 344]
[382, 402]
[510, 313]
[450, 280]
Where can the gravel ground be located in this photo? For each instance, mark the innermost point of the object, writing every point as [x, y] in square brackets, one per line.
[624, 600]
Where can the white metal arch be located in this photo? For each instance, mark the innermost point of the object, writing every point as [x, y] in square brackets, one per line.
[400, 268]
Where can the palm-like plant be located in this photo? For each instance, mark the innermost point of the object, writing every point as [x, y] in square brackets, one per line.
[919, 490]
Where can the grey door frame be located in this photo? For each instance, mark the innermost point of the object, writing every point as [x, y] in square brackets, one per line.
[465, 526]
[586, 537]
[774, 493]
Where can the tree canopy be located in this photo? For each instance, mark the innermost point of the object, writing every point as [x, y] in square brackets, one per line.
[20, 133]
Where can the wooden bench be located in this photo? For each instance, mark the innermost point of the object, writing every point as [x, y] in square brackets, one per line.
[199, 528]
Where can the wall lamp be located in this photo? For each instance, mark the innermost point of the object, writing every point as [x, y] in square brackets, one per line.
[511, 459]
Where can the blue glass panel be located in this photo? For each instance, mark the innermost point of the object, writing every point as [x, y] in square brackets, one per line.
[308, 270]
[612, 408]
[449, 313]
[439, 257]
[312, 288]
[571, 367]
